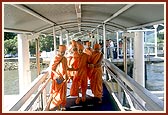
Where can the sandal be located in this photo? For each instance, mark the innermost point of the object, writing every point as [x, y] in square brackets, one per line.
[77, 100]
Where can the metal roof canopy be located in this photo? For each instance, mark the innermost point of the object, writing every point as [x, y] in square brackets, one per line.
[80, 18]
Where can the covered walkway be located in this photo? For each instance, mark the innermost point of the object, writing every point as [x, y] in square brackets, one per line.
[79, 21]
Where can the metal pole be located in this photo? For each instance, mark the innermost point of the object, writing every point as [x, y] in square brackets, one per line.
[98, 35]
[125, 55]
[105, 50]
[125, 65]
[37, 56]
[117, 45]
[155, 32]
[104, 40]
[55, 45]
[61, 38]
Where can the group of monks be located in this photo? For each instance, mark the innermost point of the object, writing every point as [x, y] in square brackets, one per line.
[79, 65]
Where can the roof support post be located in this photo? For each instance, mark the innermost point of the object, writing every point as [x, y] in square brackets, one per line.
[130, 47]
[23, 63]
[105, 50]
[98, 35]
[155, 32]
[104, 40]
[38, 56]
[61, 38]
[117, 44]
[54, 37]
[139, 58]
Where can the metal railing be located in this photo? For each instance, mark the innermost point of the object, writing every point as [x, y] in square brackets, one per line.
[133, 91]
[34, 94]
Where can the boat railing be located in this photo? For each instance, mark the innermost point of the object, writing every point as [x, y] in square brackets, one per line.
[138, 97]
[35, 98]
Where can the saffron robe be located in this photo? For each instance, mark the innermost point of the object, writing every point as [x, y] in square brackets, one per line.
[96, 74]
[58, 91]
[80, 77]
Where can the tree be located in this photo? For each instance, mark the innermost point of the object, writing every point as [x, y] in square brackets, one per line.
[46, 43]
[10, 46]
[9, 35]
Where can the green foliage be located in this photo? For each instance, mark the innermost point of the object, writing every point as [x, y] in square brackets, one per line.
[32, 47]
[160, 37]
[9, 35]
[46, 43]
[10, 46]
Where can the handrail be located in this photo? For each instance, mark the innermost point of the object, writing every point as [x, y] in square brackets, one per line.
[25, 96]
[119, 81]
[151, 100]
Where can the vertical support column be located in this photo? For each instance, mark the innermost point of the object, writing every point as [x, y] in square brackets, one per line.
[139, 67]
[155, 32]
[54, 37]
[125, 55]
[105, 50]
[38, 56]
[130, 48]
[61, 38]
[98, 35]
[23, 63]
[104, 40]
[139, 58]
[117, 45]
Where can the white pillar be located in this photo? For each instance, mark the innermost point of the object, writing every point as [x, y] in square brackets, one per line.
[117, 45]
[155, 32]
[23, 63]
[104, 40]
[139, 58]
[98, 35]
[125, 54]
[61, 38]
[105, 51]
[55, 45]
[130, 48]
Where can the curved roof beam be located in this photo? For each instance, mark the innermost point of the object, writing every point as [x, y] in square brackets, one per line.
[84, 22]
[109, 30]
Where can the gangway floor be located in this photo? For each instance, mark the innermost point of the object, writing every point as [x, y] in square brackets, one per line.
[91, 103]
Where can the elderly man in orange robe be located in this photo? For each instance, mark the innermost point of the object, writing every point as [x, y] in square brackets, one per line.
[59, 76]
[80, 78]
[96, 75]
[72, 57]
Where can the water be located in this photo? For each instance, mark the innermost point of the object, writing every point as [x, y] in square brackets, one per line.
[11, 81]
[155, 79]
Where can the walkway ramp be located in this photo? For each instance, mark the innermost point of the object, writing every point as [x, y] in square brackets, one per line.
[91, 104]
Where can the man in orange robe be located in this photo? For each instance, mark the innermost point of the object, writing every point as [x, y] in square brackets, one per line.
[71, 57]
[59, 76]
[96, 75]
[80, 78]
